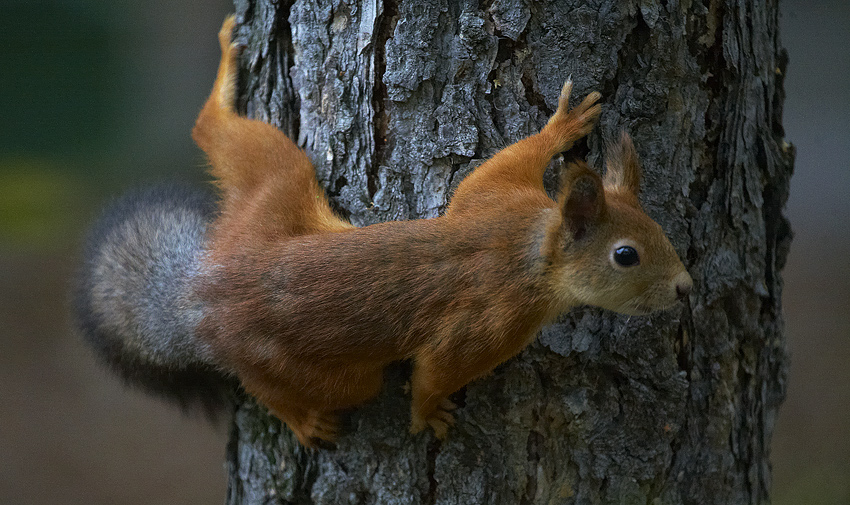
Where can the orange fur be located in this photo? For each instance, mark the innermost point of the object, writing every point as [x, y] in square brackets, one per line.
[308, 310]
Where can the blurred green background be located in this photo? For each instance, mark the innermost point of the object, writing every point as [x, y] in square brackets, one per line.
[97, 96]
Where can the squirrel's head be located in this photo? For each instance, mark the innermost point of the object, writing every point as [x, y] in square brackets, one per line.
[604, 249]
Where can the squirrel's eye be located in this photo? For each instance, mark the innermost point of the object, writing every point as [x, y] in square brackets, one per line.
[626, 256]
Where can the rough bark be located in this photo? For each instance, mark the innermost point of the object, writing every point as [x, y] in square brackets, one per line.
[396, 100]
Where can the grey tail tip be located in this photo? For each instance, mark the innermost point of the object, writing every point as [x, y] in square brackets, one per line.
[146, 231]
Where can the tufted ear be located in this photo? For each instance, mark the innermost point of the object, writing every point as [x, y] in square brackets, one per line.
[623, 166]
[582, 200]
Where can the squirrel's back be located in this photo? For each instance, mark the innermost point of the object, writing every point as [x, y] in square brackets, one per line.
[134, 297]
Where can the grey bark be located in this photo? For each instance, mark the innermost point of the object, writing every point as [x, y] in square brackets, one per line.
[397, 100]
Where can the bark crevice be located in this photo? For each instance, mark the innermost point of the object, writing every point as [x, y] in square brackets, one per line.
[385, 26]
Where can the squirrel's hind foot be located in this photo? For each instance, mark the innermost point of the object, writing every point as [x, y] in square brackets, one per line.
[225, 34]
[317, 430]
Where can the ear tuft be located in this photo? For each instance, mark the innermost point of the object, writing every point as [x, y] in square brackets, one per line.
[623, 166]
[582, 200]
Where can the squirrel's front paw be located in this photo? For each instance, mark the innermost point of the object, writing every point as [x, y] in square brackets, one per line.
[571, 125]
[439, 420]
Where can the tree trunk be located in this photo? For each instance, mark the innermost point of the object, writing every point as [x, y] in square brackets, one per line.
[397, 100]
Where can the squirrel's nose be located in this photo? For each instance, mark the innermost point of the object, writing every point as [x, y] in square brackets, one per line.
[684, 284]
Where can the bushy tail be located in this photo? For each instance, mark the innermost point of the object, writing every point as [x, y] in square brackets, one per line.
[134, 300]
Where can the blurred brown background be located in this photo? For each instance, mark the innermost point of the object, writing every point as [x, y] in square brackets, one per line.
[99, 95]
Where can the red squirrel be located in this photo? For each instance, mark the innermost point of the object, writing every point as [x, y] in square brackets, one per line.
[306, 310]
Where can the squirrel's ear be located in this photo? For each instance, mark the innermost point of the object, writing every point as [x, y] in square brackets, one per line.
[622, 165]
[582, 199]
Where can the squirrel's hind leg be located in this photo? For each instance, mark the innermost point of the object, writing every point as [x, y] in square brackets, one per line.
[255, 162]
